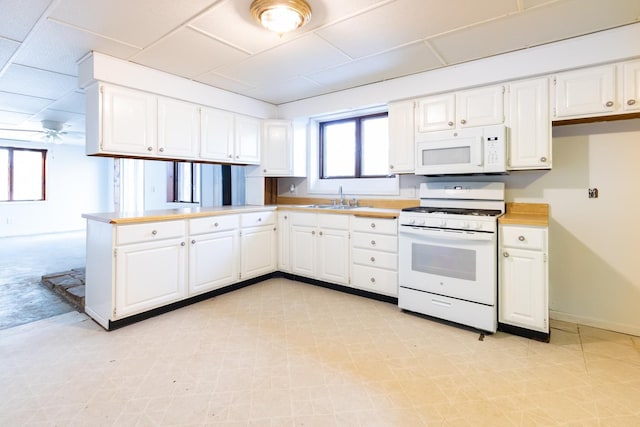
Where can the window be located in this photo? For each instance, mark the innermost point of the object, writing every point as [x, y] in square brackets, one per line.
[183, 182]
[357, 147]
[22, 174]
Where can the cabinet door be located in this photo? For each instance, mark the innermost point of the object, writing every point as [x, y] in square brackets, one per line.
[333, 256]
[303, 250]
[530, 125]
[213, 261]
[284, 241]
[435, 113]
[480, 107]
[258, 251]
[401, 137]
[247, 141]
[129, 121]
[586, 92]
[178, 129]
[149, 275]
[631, 82]
[216, 135]
[523, 291]
[277, 148]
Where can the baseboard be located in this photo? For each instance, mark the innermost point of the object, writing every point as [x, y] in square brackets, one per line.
[596, 323]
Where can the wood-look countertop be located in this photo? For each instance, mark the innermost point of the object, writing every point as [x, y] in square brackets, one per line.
[186, 213]
[526, 214]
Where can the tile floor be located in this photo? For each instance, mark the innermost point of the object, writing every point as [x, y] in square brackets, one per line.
[283, 353]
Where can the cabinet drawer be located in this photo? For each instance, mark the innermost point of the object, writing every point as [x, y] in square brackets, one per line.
[375, 241]
[523, 237]
[149, 231]
[303, 219]
[378, 259]
[375, 225]
[256, 219]
[212, 224]
[375, 279]
[338, 222]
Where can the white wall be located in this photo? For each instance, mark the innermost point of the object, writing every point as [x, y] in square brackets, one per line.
[76, 184]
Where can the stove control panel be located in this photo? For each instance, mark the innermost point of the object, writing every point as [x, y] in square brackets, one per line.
[456, 222]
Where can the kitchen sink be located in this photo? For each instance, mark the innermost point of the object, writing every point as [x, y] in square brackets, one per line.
[327, 207]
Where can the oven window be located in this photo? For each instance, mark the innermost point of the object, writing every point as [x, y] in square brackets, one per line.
[446, 156]
[444, 261]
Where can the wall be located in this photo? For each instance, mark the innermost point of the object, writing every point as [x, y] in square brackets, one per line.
[76, 184]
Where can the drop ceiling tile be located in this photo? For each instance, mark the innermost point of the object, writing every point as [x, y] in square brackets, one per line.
[11, 118]
[286, 91]
[7, 49]
[188, 53]
[137, 23]
[22, 103]
[74, 102]
[403, 61]
[35, 82]
[418, 18]
[285, 62]
[561, 20]
[57, 47]
[18, 17]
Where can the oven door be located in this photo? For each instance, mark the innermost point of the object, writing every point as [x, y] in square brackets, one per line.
[458, 264]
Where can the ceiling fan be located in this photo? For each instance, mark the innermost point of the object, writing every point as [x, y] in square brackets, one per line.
[51, 132]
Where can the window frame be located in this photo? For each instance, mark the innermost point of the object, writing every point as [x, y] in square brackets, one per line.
[358, 120]
[10, 178]
[173, 182]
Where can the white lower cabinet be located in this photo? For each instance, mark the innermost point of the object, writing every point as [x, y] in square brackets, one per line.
[320, 246]
[258, 244]
[284, 241]
[523, 281]
[214, 252]
[374, 251]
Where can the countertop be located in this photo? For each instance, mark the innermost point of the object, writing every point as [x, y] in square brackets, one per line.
[536, 214]
[186, 213]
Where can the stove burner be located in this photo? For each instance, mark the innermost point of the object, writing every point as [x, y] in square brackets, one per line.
[453, 211]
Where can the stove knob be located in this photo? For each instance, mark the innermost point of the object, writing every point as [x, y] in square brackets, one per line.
[412, 221]
[443, 222]
[421, 222]
[465, 224]
[476, 225]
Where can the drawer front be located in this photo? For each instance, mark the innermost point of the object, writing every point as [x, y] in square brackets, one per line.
[149, 231]
[378, 242]
[378, 259]
[303, 219]
[375, 280]
[256, 219]
[212, 224]
[338, 222]
[523, 237]
[375, 225]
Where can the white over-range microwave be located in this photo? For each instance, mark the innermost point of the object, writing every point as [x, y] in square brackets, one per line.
[465, 151]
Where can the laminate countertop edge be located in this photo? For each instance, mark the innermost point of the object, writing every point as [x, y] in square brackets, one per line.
[535, 214]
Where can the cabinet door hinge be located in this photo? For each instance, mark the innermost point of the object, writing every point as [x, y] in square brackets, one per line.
[114, 312]
[115, 253]
[545, 257]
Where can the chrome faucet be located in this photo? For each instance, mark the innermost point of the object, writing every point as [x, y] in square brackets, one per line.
[341, 202]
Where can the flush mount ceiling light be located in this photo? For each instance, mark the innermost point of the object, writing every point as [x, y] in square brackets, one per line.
[281, 16]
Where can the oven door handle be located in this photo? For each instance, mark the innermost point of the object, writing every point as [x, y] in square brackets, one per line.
[445, 234]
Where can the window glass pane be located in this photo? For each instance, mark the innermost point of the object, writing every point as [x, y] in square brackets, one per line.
[375, 146]
[339, 149]
[188, 182]
[4, 175]
[27, 175]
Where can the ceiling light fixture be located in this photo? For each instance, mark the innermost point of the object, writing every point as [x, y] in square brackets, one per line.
[281, 16]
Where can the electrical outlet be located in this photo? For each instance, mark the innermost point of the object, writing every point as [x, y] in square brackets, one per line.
[593, 193]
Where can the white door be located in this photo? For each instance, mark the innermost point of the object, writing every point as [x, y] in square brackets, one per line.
[480, 107]
[149, 275]
[530, 125]
[216, 135]
[303, 250]
[258, 251]
[333, 253]
[213, 261]
[402, 147]
[523, 294]
[436, 113]
[631, 82]
[129, 121]
[178, 129]
[247, 141]
[277, 148]
[586, 92]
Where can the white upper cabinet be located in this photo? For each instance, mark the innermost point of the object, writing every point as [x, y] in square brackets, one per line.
[178, 129]
[401, 137]
[586, 92]
[475, 107]
[247, 140]
[121, 121]
[217, 136]
[530, 125]
[631, 86]
[277, 148]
